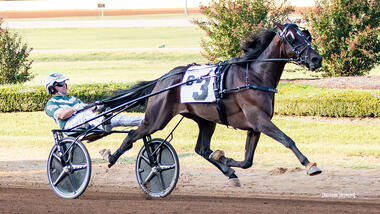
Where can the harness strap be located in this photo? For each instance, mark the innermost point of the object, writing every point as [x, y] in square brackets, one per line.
[218, 89]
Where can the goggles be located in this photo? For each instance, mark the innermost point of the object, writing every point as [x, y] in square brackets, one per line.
[60, 84]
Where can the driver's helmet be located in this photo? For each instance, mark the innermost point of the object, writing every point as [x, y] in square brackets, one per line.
[51, 79]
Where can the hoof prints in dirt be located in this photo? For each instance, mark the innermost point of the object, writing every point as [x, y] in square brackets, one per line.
[283, 170]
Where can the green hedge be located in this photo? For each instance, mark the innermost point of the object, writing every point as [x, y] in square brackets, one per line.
[306, 100]
[292, 99]
[18, 98]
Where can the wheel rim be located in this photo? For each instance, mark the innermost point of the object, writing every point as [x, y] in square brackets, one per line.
[71, 179]
[159, 180]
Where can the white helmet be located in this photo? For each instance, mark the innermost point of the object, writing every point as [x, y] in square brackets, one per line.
[51, 79]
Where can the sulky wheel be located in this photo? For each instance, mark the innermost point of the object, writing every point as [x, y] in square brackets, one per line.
[157, 179]
[70, 173]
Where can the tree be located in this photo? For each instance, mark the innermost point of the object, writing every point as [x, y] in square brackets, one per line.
[228, 22]
[14, 61]
[347, 35]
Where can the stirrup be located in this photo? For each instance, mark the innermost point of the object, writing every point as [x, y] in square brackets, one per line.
[107, 127]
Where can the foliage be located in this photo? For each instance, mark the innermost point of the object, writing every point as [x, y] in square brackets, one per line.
[229, 21]
[14, 62]
[347, 35]
[292, 99]
[15, 98]
[305, 100]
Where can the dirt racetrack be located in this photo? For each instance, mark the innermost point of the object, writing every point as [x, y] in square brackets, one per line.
[24, 189]
[19, 200]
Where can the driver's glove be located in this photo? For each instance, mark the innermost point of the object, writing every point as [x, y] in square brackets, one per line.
[79, 107]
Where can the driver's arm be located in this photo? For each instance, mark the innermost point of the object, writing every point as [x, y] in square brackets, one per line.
[64, 114]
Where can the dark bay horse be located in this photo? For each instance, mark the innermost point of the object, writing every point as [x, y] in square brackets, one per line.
[262, 64]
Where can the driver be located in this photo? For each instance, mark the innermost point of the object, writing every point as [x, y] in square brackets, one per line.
[65, 110]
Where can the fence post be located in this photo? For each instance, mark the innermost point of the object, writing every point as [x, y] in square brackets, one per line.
[101, 6]
[186, 11]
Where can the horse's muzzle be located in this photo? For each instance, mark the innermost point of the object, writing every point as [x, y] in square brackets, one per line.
[315, 63]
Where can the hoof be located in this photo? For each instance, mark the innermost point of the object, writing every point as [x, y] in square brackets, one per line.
[235, 182]
[216, 155]
[312, 169]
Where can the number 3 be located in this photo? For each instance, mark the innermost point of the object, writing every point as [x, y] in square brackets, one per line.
[204, 89]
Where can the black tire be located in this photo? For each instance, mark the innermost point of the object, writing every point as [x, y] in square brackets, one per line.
[69, 179]
[157, 181]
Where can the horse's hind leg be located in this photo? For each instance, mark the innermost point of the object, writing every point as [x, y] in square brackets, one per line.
[155, 119]
[206, 130]
[250, 147]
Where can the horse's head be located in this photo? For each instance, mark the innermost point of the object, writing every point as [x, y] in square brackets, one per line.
[297, 44]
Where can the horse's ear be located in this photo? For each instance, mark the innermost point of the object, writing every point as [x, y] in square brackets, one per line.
[278, 25]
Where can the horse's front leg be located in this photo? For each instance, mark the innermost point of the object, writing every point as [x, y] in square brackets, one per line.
[250, 147]
[267, 127]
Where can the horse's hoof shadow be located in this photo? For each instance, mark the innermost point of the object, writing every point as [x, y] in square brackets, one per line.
[235, 182]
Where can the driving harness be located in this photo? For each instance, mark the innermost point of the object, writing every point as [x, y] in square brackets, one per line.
[220, 90]
[223, 67]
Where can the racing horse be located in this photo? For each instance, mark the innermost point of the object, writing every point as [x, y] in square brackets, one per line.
[249, 105]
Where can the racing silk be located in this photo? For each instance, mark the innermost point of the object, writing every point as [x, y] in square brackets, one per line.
[57, 104]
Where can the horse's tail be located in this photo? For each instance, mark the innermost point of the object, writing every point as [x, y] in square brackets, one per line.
[134, 92]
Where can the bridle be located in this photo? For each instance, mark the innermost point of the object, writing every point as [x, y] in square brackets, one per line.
[288, 37]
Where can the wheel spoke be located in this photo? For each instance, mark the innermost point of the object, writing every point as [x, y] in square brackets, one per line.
[57, 157]
[60, 177]
[150, 176]
[77, 167]
[145, 159]
[73, 183]
[167, 167]
[70, 158]
[159, 155]
[162, 182]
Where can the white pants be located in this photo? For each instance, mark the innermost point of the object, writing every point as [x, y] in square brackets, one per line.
[118, 120]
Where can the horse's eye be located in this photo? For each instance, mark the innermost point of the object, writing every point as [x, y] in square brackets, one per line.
[290, 37]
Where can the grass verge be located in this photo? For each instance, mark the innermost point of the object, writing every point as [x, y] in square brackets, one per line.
[27, 136]
[99, 38]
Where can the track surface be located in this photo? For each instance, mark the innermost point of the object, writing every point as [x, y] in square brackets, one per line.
[21, 200]
[24, 189]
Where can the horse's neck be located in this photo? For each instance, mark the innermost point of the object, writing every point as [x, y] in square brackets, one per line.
[270, 72]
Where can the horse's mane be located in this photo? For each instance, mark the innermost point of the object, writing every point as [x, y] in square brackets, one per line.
[255, 44]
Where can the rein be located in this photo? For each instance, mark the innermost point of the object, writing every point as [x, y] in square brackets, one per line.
[223, 65]
[248, 85]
